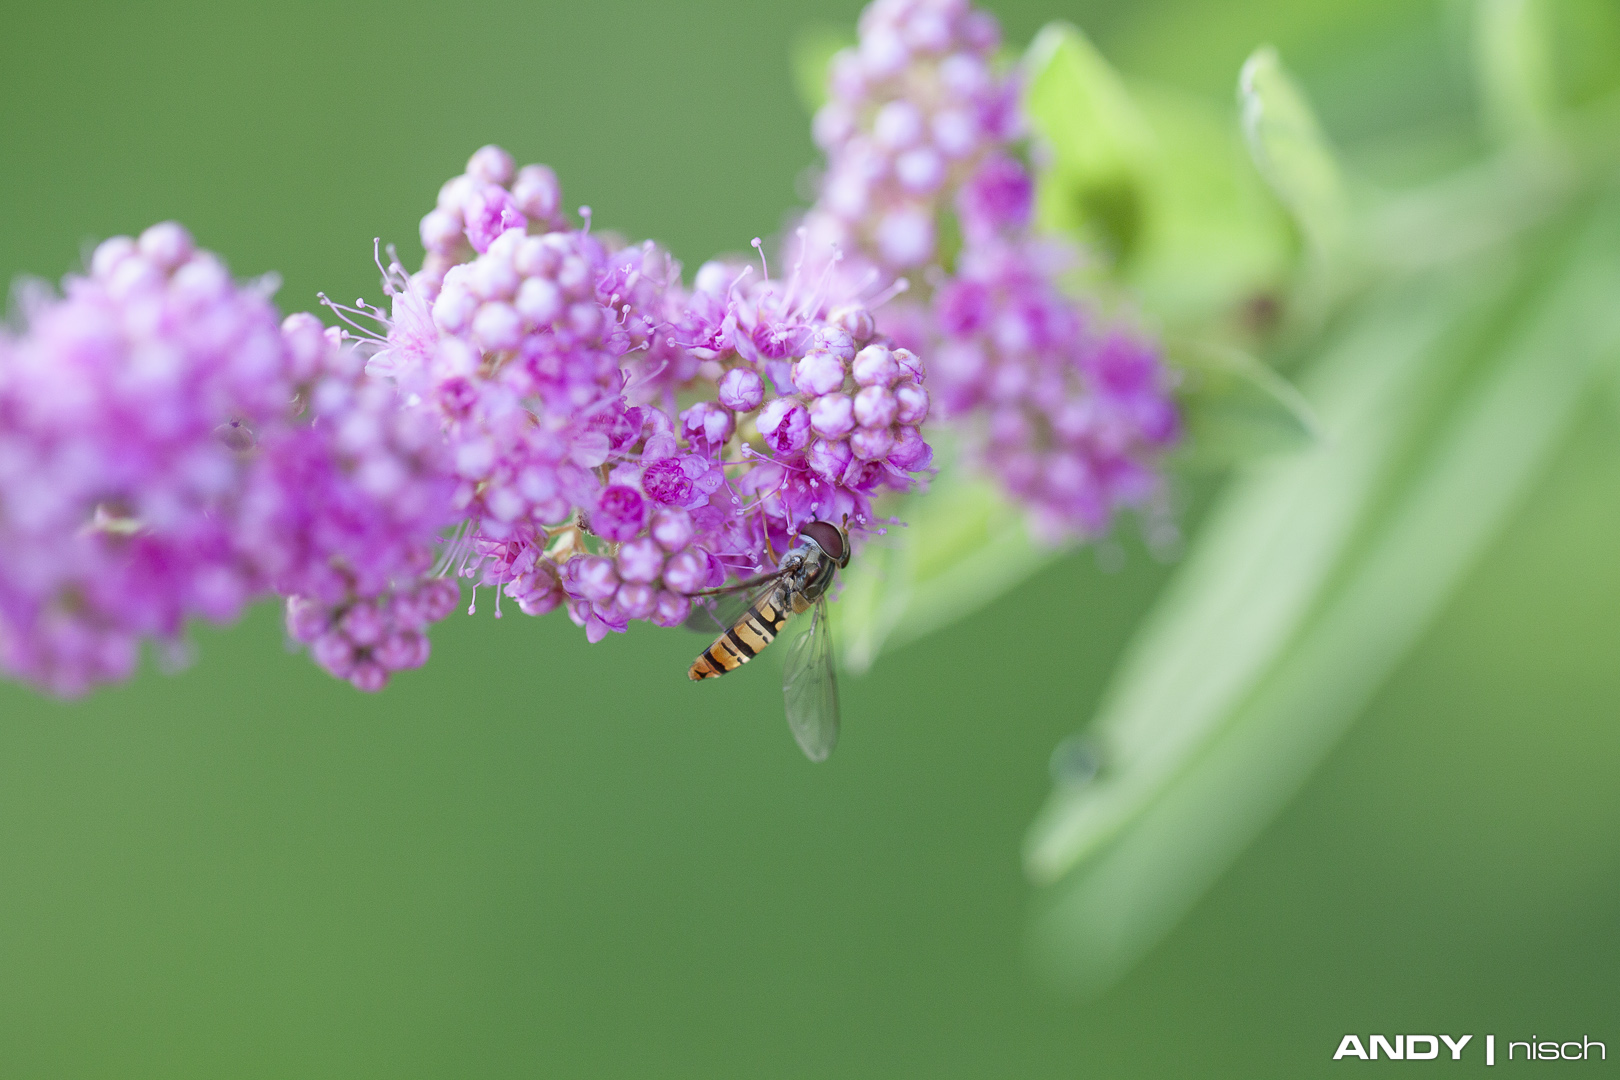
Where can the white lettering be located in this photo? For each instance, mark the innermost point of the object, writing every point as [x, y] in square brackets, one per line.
[1350, 1044]
[1412, 1051]
[1529, 1051]
[1586, 1049]
[1490, 1049]
[1392, 1052]
[1456, 1047]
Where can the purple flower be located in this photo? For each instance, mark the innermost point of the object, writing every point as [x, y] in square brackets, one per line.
[995, 199]
[129, 410]
[621, 513]
[665, 481]
[1077, 422]
[741, 389]
[785, 425]
[917, 121]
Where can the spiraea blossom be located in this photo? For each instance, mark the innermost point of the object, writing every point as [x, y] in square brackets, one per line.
[554, 414]
[1072, 414]
[920, 132]
[619, 441]
[911, 113]
[169, 450]
[129, 408]
[353, 506]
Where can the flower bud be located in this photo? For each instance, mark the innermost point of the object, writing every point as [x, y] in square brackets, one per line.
[741, 389]
[369, 676]
[818, 373]
[490, 164]
[784, 425]
[905, 237]
[871, 443]
[707, 424]
[619, 515]
[911, 403]
[832, 415]
[875, 407]
[333, 652]
[687, 571]
[857, 322]
[592, 577]
[167, 244]
[497, 327]
[306, 619]
[672, 528]
[875, 366]
[898, 125]
[539, 301]
[830, 457]
[641, 559]
[636, 599]
[363, 624]
[403, 650]
[537, 192]
[909, 451]
[671, 610]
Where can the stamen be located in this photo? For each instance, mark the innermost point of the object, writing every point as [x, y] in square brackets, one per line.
[759, 246]
[813, 301]
[344, 311]
[900, 285]
[804, 244]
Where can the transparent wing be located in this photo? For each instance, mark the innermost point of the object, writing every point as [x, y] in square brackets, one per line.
[717, 610]
[810, 688]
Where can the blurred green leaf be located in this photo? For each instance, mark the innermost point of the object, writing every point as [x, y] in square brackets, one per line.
[1156, 179]
[1513, 64]
[963, 545]
[813, 49]
[1236, 408]
[1314, 577]
[1215, 247]
[1094, 137]
[1583, 41]
[1292, 153]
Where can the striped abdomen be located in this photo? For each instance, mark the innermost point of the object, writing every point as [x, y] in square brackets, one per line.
[756, 629]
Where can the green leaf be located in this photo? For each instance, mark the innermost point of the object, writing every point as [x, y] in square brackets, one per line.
[1312, 580]
[1292, 154]
[813, 50]
[1215, 246]
[1094, 138]
[1236, 408]
[1513, 65]
[964, 544]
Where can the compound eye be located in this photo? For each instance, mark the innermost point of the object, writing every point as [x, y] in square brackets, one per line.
[828, 537]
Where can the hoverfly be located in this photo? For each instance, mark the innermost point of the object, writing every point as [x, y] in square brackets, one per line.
[800, 583]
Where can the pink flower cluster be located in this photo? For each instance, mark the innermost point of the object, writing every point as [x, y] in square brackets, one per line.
[1069, 415]
[547, 413]
[556, 364]
[168, 451]
[553, 413]
[911, 113]
[1073, 416]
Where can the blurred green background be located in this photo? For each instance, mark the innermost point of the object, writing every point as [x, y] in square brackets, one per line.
[538, 857]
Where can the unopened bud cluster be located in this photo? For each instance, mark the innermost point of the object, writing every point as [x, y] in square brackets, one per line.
[555, 414]
[1071, 416]
[555, 362]
[169, 450]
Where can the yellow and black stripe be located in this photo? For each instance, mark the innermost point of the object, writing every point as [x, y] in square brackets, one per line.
[756, 629]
